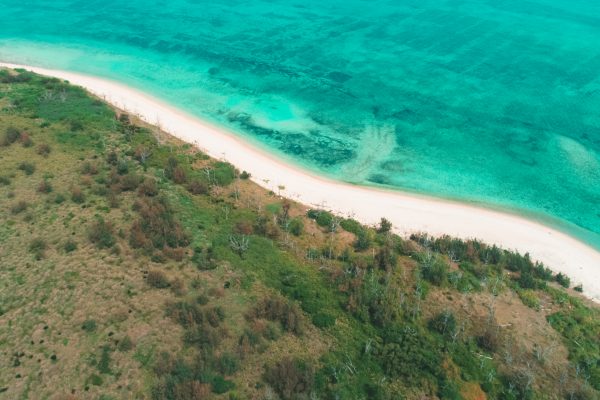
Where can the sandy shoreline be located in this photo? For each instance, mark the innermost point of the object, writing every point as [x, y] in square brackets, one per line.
[409, 213]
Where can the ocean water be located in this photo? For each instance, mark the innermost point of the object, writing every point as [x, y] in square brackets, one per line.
[495, 102]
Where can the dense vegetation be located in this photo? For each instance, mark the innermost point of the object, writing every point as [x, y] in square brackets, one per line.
[133, 266]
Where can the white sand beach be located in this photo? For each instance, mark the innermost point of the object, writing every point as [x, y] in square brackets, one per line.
[409, 213]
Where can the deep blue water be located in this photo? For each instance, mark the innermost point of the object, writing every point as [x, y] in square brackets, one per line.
[488, 101]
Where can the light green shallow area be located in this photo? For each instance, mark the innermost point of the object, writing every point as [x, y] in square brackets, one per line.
[490, 102]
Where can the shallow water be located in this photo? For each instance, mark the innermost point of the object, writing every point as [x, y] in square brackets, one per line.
[495, 102]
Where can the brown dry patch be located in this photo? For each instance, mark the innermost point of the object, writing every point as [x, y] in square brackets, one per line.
[472, 391]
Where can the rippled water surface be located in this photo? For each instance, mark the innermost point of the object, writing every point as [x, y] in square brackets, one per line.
[491, 101]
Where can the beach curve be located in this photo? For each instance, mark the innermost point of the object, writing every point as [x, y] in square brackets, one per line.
[409, 213]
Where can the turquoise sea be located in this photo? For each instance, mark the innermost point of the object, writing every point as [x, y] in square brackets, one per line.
[495, 102]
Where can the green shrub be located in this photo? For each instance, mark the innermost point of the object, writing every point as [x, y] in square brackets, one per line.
[4, 181]
[11, 135]
[296, 226]
[104, 363]
[77, 195]
[26, 167]
[197, 187]
[324, 219]
[89, 325]
[89, 169]
[529, 298]
[174, 171]
[323, 320]
[220, 385]
[228, 364]
[203, 259]
[148, 187]
[384, 226]
[95, 380]
[122, 167]
[130, 182]
[408, 353]
[44, 187]
[125, 344]
[290, 378]
[245, 175]
[70, 246]
[444, 323]
[563, 280]
[59, 198]
[364, 240]
[44, 150]
[25, 140]
[578, 288]
[434, 270]
[38, 248]
[100, 233]
[157, 227]
[223, 173]
[19, 207]
[157, 279]
[277, 308]
[351, 225]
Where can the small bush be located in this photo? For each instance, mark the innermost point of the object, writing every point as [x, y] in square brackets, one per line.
[112, 158]
[197, 187]
[529, 298]
[44, 187]
[435, 270]
[28, 168]
[19, 207]
[290, 378]
[221, 385]
[77, 195]
[245, 175]
[364, 240]
[175, 172]
[4, 181]
[125, 345]
[324, 219]
[59, 198]
[178, 286]
[104, 363]
[384, 226]
[351, 225]
[563, 280]
[76, 125]
[578, 288]
[70, 246]
[157, 226]
[277, 308]
[157, 279]
[228, 364]
[38, 248]
[11, 135]
[490, 339]
[148, 187]
[100, 233]
[296, 226]
[25, 140]
[89, 325]
[88, 168]
[122, 167]
[444, 324]
[95, 380]
[44, 150]
[223, 173]
[130, 182]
